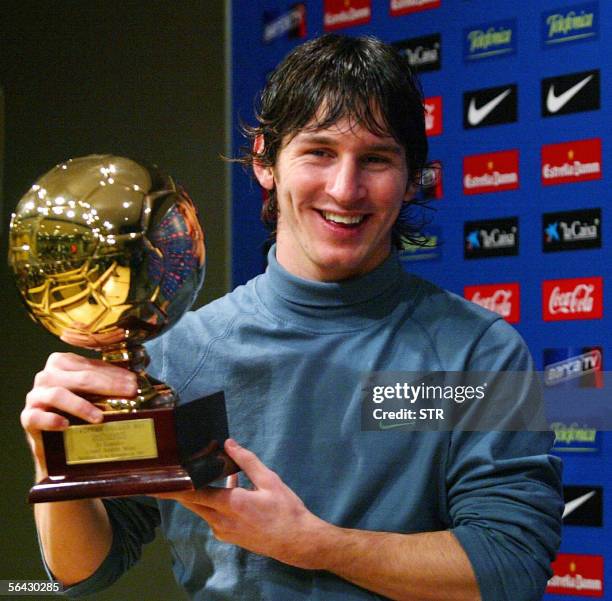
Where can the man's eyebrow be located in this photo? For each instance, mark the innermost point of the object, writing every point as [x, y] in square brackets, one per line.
[306, 138]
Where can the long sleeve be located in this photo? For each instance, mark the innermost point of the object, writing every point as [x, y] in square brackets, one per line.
[504, 489]
[134, 521]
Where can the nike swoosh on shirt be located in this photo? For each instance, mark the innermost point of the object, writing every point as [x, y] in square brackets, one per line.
[571, 506]
[386, 426]
[555, 103]
[476, 115]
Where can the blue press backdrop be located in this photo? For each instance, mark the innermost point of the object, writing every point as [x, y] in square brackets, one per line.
[526, 62]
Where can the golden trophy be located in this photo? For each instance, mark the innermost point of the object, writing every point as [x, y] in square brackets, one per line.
[108, 253]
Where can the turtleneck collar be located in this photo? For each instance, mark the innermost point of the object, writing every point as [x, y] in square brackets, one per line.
[331, 306]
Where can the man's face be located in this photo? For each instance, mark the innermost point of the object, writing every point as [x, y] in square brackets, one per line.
[339, 191]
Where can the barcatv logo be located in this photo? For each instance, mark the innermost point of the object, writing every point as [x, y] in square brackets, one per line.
[579, 575]
[579, 22]
[490, 106]
[583, 506]
[575, 438]
[489, 40]
[573, 298]
[433, 115]
[570, 162]
[492, 238]
[571, 230]
[291, 23]
[491, 172]
[423, 53]
[431, 180]
[581, 365]
[404, 7]
[499, 298]
[571, 93]
[346, 13]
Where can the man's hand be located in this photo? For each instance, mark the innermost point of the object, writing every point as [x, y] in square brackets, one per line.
[75, 535]
[57, 388]
[269, 520]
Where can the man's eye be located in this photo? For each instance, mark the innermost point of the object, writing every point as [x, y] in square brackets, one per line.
[318, 152]
[376, 160]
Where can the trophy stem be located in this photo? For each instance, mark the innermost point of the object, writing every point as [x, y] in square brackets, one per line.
[151, 393]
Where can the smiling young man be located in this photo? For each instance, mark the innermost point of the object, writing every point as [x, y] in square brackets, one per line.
[322, 509]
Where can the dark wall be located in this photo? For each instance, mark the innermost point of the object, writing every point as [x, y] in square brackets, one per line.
[136, 78]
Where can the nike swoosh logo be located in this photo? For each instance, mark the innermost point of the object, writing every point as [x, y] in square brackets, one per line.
[476, 115]
[571, 506]
[384, 426]
[555, 103]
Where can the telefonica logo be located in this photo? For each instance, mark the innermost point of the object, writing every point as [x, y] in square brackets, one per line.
[570, 24]
[489, 40]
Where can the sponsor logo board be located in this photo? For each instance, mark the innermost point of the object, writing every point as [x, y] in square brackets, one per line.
[575, 438]
[491, 238]
[569, 162]
[426, 248]
[503, 299]
[346, 13]
[571, 230]
[423, 53]
[405, 7]
[578, 22]
[571, 93]
[291, 23]
[579, 575]
[490, 106]
[491, 172]
[576, 365]
[489, 40]
[433, 115]
[572, 298]
[431, 180]
[583, 506]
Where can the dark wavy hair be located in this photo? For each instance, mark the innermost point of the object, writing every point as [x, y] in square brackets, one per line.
[333, 77]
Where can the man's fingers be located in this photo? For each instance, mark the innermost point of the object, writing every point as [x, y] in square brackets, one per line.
[113, 381]
[36, 419]
[260, 475]
[45, 399]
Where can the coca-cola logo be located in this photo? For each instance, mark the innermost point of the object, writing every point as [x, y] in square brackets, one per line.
[499, 302]
[578, 298]
[503, 299]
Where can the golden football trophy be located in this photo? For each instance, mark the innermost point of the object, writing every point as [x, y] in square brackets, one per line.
[108, 253]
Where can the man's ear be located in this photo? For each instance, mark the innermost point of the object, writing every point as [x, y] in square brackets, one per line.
[264, 175]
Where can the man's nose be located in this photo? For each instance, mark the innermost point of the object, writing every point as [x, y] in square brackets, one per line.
[345, 183]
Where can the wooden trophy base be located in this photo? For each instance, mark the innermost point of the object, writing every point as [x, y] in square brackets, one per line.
[135, 453]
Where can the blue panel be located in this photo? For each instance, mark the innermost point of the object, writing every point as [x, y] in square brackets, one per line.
[548, 38]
